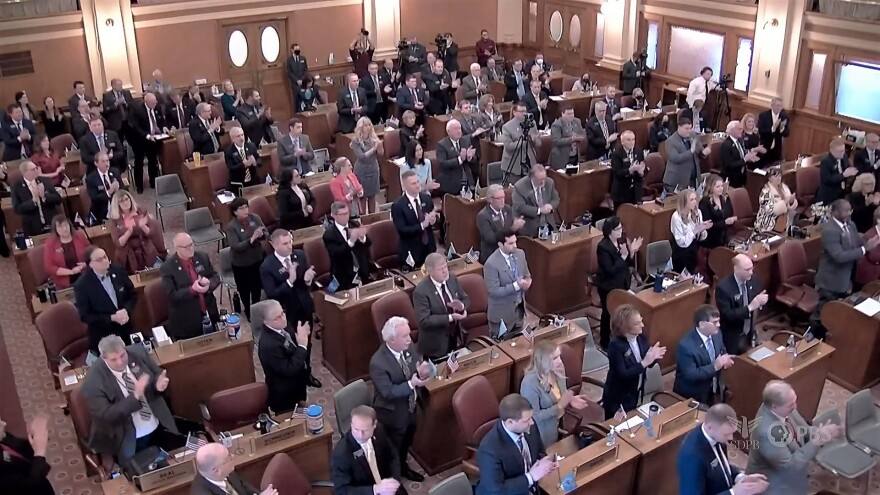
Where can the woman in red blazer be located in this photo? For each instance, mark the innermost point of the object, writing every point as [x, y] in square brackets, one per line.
[63, 252]
[346, 188]
[868, 268]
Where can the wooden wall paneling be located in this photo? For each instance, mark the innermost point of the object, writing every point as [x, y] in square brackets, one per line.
[57, 63]
[554, 51]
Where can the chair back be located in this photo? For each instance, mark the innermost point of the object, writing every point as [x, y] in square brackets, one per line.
[218, 174]
[860, 408]
[656, 166]
[356, 393]
[318, 257]
[542, 154]
[573, 364]
[275, 164]
[234, 407]
[627, 101]
[476, 410]
[742, 207]
[332, 125]
[226, 262]
[38, 268]
[657, 256]
[62, 142]
[455, 485]
[653, 382]
[806, 185]
[394, 304]
[197, 219]
[323, 199]
[80, 416]
[168, 184]
[184, 144]
[157, 303]
[157, 235]
[714, 161]
[285, 476]
[63, 334]
[593, 265]
[383, 249]
[259, 206]
[793, 268]
[476, 323]
[494, 173]
[391, 141]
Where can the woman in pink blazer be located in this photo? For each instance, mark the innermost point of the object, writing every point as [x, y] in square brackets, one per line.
[346, 188]
[63, 253]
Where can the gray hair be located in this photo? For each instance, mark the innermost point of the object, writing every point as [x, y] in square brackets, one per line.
[434, 260]
[389, 330]
[493, 189]
[101, 154]
[336, 206]
[201, 107]
[732, 125]
[475, 66]
[236, 131]
[452, 123]
[775, 393]
[110, 344]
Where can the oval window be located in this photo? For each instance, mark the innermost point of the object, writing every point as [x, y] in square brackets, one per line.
[574, 31]
[238, 48]
[556, 26]
[270, 44]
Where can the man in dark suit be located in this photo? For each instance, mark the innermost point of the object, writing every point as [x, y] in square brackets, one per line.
[79, 95]
[535, 199]
[495, 217]
[398, 374]
[98, 139]
[375, 85]
[493, 72]
[834, 169]
[738, 296]
[255, 119]
[734, 157]
[773, 125]
[34, 199]
[459, 165]
[297, 68]
[627, 171]
[189, 281]
[842, 247]
[413, 56]
[285, 358]
[703, 466]
[351, 105]
[146, 121]
[17, 134]
[601, 132]
[116, 104]
[179, 112]
[635, 71]
[80, 117]
[867, 159]
[124, 391]
[536, 100]
[204, 131]
[700, 358]
[511, 456]
[348, 247]
[612, 105]
[441, 89]
[242, 160]
[414, 218]
[287, 278]
[216, 475]
[101, 184]
[440, 304]
[364, 460]
[23, 466]
[516, 83]
[410, 97]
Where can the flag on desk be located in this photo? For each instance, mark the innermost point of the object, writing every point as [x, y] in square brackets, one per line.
[528, 333]
[568, 482]
[409, 260]
[450, 253]
[502, 329]
[452, 362]
[333, 285]
[620, 415]
[193, 442]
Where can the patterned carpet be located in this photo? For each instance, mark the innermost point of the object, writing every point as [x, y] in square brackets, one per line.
[34, 384]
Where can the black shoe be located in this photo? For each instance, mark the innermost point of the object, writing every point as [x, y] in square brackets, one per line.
[314, 382]
[411, 475]
[140, 190]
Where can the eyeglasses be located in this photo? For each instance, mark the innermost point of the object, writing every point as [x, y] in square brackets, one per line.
[186, 246]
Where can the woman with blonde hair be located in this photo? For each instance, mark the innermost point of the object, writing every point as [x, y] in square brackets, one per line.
[688, 229]
[488, 116]
[367, 149]
[751, 139]
[230, 100]
[544, 386]
[345, 187]
[130, 229]
[864, 200]
[717, 208]
[774, 201]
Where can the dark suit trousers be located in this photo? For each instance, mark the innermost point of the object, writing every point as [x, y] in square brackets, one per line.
[605, 321]
[402, 438]
[249, 285]
[380, 112]
[150, 151]
[825, 296]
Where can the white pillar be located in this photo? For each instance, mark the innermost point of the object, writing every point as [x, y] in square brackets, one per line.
[621, 32]
[382, 20]
[510, 22]
[775, 48]
[110, 40]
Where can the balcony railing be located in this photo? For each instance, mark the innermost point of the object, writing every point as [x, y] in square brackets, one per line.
[12, 9]
[862, 10]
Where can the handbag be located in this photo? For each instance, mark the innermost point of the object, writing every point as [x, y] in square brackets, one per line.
[145, 461]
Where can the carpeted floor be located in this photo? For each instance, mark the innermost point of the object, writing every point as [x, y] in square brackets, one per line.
[37, 394]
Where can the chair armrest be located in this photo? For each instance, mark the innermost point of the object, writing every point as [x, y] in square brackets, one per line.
[592, 381]
[569, 412]
[322, 484]
[206, 414]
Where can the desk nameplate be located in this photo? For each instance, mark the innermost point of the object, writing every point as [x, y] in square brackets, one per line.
[551, 333]
[677, 422]
[575, 233]
[473, 361]
[166, 476]
[321, 178]
[805, 352]
[372, 218]
[307, 233]
[595, 462]
[147, 275]
[271, 440]
[456, 265]
[202, 343]
[375, 289]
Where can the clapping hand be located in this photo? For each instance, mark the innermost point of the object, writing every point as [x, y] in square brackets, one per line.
[424, 370]
[38, 434]
[471, 152]
[302, 334]
[751, 484]
[162, 381]
[140, 386]
[388, 486]
[291, 272]
[723, 362]
[612, 137]
[542, 468]
[309, 275]
[655, 353]
[730, 220]
[524, 283]
[637, 244]
[270, 490]
[850, 172]
[706, 151]
[25, 135]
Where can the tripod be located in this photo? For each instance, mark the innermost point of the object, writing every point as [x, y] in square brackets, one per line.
[722, 107]
[521, 152]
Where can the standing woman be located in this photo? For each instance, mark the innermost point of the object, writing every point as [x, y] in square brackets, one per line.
[230, 100]
[615, 259]
[750, 138]
[345, 187]
[367, 148]
[22, 101]
[414, 159]
[245, 234]
[628, 358]
[48, 160]
[409, 131]
[295, 201]
[64, 251]
[864, 200]
[52, 118]
[489, 117]
[130, 230]
[688, 229]
[717, 208]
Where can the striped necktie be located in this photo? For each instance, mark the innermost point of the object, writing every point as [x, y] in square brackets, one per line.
[144, 411]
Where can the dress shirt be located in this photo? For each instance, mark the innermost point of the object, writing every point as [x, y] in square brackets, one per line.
[698, 89]
[684, 232]
[108, 287]
[516, 437]
[354, 97]
[99, 138]
[416, 205]
[845, 229]
[286, 335]
[634, 346]
[142, 427]
[509, 259]
[438, 287]
[350, 240]
[284, 262]
[497, 213]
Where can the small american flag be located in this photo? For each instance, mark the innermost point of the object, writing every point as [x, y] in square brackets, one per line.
[529, 333]
[620, 415]
[452, 361]
[193, 442]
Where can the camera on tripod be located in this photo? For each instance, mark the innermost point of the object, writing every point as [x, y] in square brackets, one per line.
[440, 41]
[402, 45]
[527, 123]
[365, 32]
[643, 55]
[725, 81]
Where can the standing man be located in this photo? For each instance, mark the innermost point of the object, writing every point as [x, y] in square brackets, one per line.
[414, 218]
[492, 72]
[683, 149]
[772, 127]
[179, 111]
[117, 103]
[242, 160]
[475, 84]
[295, 149]
[216, 475]
[738, 296]
[381, 474]
[566, 135]
[160, 87]
[440, 304]
[834, 170]
[867, 159]
[535, 199]
[284, 358]
[700, 86]
[703, 466]
[507, 279]
[297, 70]
[413, 56]
[351, 104]
[348, 247]
[34, 199]
[634, 73]
[147, 123]
[377, 91]
[601, 132]
[515, 82]
[79, 94]
[842, 247]
[204, 131]
[255, 119]
[459, 165]
[17, 134]
[100, 140]
[513, 157]
[398, 373]
[23, 467]
[699, 359]
[536, 101]
[734, 157]
[496, 216]
[411, 97]
[441, 89]
[448, 53]
[485, 48]
[627, 171]
[189, 281]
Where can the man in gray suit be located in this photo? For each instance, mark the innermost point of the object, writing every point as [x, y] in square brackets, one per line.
[440, 305]
[507, 279]
[511, 132]
[124, 394]
[492, 72]
[683, 152]
[459, 165]
[784, 443]
[295, 148]
[163, 89]
[495, 217]
[842, 247]
[475, 84]
[471, 125]
[535, 199]
[567, 134]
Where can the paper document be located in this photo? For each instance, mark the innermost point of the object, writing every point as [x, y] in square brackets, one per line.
[159, 137]
[869, 306]
[630, 423]
[760, 171]
[644, 408]
[761, 353]
[556, 98]
[226, 197]
[70, 380]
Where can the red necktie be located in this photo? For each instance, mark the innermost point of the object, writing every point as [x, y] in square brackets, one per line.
[12, 452]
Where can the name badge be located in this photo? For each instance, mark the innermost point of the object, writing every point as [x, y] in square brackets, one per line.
[199, 268]
[628, 353]
[59, 250]
[626, 160]
[100, 188]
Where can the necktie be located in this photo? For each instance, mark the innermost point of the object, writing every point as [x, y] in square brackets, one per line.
[378, 88]
[722, 459]
[228, 488]
[371, 460]
[407, 374]
[739, 148]
[23, 144]
[794, 432]
[296, 147]
[445, 295]
[604, 127]
[180, 116]
[144, 411]
[524, 451]
[539, 196]
[455, 146]
[501, 214]
[154, 128]
[710, 346]
[686, 142]
[100, 139]
[106, 182]
[354, 99]
[214, 142]
[415, 97]
[33, 188]
[707, 91]
[744, 294]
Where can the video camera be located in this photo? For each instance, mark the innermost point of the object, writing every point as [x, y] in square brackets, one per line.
[440, 41]
[365, 32]
[725, 81]
[402, 45]
[527, 123]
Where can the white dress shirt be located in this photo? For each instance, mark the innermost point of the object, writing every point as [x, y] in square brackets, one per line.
[697, 90]
[684, 232]
[142, 427]
[722, 460]
[397, 356]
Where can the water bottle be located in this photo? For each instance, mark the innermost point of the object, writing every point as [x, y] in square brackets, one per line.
[315, 419]
[20, 240]
[207, 326]
[221, 325]
[233, 326]
[649, 423]
[658, 281]
[611, 438]
[53, 293]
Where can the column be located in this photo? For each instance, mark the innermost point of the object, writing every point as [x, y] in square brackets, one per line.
[778, 31]
[111, 44]
[382, 20]
[510, 22]
[621, 32]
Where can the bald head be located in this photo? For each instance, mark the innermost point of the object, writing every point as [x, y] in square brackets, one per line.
[780, 397]
[183, 245]
[150, 100]
[212, 461]
[743, 267]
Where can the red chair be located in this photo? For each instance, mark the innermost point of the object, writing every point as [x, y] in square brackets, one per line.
[260, 207]
[157, 303]
[318, 257]
[476, 323]
[806, 184]
[323, 200]
[218, 174]
[395, 304]
[742, 209]
[391, 140]
[38, 267]
[287, 478]
[796, 288]
[476, 412]
[62, 142]
[63, 336]
[383, 249]
[653, 181]
[81, 418]
[572, 419]
[232, 408]
[184, 144]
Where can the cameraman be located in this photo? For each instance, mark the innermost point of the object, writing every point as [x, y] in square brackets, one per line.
[448, 51]
[700, 86]
[361, 52]
[635, 71]
[512, 158]
[245, 234]
[412, 55]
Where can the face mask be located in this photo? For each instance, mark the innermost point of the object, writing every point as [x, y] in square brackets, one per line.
[540, 61]
[296, 52]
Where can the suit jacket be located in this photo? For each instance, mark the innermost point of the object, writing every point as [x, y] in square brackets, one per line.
[625, 382]
[255, 128]
[452, 174]
[785, 466]
[409, 228]
[89, 147]
[201, 137]
[296, 300]
[392, 390]
[489, 224]
[499, 285]
[511, 132]
[699, 473]
[494, 74]
[840, 252]
[471, 85]
[561, 133]
[24, 204]
[242, 252]
[469, 124]
[831, 180]
[534, 108]
[733, 164]
[629, 77]
[350, 470]
[867, 164]
[73, 101]
[439, 99]
[372, 91]
[184, 311]
[111, 410]
[201, 486]
[545, 411]
[614, 270]
[286, 152]
[501, 464]
[433, 315]
[343, 257]
[12, 147]
[525, 204]
[598, 144]
[236, 165]
[405, 100]
[286, 365]
[344, 105]
[688, 113]
[180, 121]
[116, 115]
[734, 312]
[626, 187]
[772, 140]
[139, 121]
[24, 476]
[681, 164]
[717, 234]
[694, 368]
[98, 193]
[512, 85]
[297, 68]
[417, 51]
[290, 208]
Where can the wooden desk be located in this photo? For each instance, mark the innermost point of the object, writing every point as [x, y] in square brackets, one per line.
[649, 221]
[71, 204]
[558, 273]
[617, 477]
[316, 125]
[637, 121]
[746, 379]
[416, 277]
[579, 101]
[461, 222]
[581, 192]
[195, 376]
[122, 486]
[169, 155]
[520, 351]
[667, 317]
[438, 444]
[855, 364]
[197, 183]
